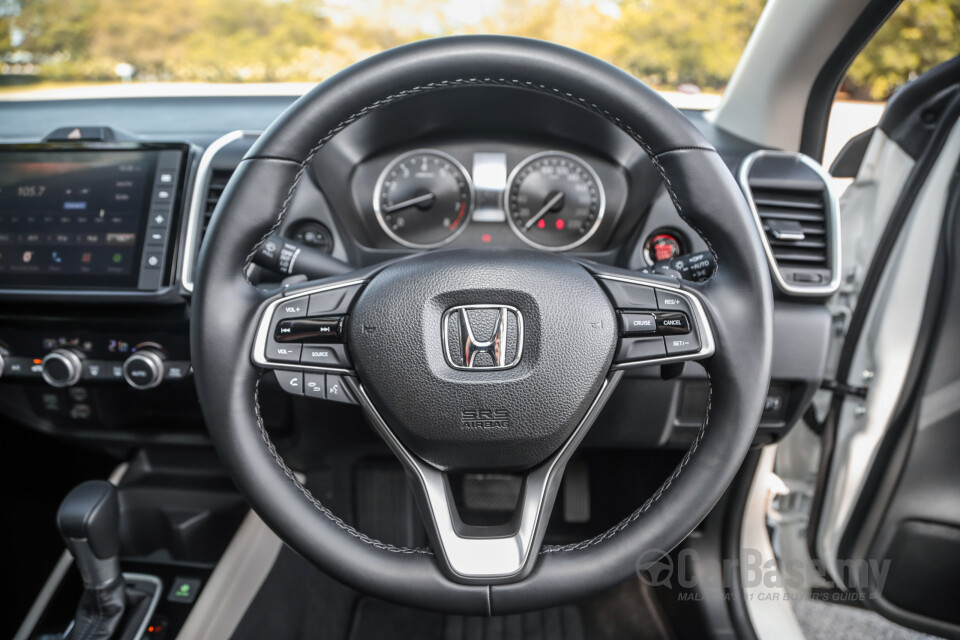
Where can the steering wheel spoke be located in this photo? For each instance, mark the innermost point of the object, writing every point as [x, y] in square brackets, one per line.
[301, 336]
[472, 554]
[660, 321]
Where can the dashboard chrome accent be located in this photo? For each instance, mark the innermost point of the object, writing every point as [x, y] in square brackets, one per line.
[198, 199]
[489, 183]
[486, 555]
[590, 171]
[831, 212]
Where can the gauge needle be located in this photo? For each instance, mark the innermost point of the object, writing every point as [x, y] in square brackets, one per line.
[543, 211]
[427, 197]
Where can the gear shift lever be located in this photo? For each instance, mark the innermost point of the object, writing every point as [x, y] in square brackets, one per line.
[89, 521]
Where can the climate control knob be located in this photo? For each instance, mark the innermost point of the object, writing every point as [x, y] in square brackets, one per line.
[144, 369]
[62, 368]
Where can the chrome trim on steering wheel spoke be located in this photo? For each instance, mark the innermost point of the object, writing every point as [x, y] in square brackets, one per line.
[486, 555]
[265, 315]
[701, 324]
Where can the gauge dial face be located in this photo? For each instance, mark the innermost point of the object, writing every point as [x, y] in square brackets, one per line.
[423, 198]
[554, 201]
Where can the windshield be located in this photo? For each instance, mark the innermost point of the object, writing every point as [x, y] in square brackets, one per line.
[688, 47]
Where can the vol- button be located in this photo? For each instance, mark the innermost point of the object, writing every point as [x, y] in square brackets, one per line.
[283, 352]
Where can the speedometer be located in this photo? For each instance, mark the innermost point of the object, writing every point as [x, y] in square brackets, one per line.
[423, 198]
[554, 201]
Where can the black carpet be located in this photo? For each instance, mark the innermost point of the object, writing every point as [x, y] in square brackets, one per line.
[378, 620]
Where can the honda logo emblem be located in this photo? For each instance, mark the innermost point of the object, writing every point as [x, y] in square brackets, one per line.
[484, 337]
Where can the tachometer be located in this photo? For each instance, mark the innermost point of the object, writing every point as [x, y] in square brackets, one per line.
[423, 198]
[554, 201]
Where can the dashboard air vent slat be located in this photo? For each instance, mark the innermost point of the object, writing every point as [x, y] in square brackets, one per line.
[216, 185]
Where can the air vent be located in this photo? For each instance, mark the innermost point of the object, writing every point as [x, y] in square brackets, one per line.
[215, 186]
[791, 200]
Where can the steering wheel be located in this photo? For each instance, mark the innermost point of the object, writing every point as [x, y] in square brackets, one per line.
[486, 360]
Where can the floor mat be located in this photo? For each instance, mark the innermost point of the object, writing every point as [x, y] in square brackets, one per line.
[825, 621]
[379, 620]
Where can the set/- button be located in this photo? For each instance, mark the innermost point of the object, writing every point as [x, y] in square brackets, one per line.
[679, 345]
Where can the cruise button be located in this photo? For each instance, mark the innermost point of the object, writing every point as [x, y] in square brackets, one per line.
[632, 323]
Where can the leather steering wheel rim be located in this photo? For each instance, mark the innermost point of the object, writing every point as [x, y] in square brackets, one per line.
[737, 300]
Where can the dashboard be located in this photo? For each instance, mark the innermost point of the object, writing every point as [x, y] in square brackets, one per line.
[100, 228]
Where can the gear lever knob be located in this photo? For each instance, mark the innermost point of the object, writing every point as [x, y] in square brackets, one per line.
[89, 521]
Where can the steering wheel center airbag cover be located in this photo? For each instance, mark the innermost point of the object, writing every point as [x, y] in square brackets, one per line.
[407, 339]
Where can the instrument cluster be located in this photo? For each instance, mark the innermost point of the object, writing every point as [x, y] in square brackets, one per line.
[551, 200]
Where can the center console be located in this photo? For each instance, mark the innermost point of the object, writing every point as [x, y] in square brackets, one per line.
[94, 322]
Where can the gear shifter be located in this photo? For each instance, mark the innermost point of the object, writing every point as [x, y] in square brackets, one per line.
[89, 521]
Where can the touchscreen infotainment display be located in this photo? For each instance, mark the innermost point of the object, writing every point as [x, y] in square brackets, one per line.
[79, 218]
